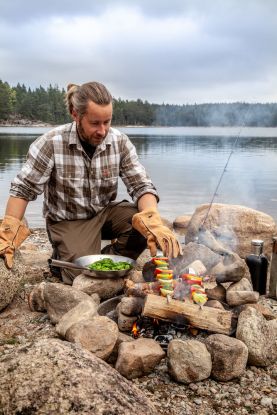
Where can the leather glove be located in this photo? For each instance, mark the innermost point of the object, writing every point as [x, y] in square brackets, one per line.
[12, 233]
[149, 224]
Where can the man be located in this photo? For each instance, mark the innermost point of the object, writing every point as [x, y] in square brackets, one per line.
[77, 166]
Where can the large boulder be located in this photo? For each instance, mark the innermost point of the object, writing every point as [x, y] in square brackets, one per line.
[233, 226]
[56, 377]
[10, 280]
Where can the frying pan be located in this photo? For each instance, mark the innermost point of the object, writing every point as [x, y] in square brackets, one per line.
[83, 262]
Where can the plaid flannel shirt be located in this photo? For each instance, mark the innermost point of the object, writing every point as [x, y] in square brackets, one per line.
[75, 186]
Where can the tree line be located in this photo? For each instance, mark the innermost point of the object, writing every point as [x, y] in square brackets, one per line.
[47, 105]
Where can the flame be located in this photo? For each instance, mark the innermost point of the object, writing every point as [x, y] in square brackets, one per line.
[135, 330]
[193, 330]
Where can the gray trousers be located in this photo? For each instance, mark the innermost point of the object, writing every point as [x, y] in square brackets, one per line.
[76, 238]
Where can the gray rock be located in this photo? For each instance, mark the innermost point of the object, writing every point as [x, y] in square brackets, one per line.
[196, 267]
[131, 306]
[264, 310]
[95, 298]
[60, 298]
[235, 298]
[241, 293]
[98, 335]
[205, 237]
[105, 288]
[138, 358]
[144, 257]
[56, 377]
[229, 356]
[82, 311]
[233, 226]
[120, 339]
[214, 304]
[125, 323]
[10, 280]
[192, 252]
[181, 222]
[188, 361]
[230, 272]
[216, 293]
[259, 335]
[36, 298]
[266, 402]
[243, 285]
[135, 275]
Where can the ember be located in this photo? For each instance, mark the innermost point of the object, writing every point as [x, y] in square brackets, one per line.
[162, 331]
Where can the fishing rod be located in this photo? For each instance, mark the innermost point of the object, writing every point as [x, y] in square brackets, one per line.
[224, 169]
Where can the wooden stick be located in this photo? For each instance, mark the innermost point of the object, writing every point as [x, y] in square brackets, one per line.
[211, 319]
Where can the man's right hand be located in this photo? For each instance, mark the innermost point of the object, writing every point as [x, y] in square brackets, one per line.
[12, 233]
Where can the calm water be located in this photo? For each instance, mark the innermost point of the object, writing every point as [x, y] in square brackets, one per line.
[184, 163]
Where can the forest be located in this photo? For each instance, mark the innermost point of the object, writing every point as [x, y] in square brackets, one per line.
[47, 105]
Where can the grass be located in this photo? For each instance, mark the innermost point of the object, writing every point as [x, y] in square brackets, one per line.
[11, 340]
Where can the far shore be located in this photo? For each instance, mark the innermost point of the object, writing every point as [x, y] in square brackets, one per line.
[26, 124]
[37, 124]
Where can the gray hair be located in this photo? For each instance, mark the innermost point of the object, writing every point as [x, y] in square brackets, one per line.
[77, 96]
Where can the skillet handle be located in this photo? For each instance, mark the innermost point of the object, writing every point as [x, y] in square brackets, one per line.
[65, 264]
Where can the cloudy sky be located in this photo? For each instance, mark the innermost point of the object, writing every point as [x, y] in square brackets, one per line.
[175, 51]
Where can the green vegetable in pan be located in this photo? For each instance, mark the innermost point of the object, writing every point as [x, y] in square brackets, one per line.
[108, 264]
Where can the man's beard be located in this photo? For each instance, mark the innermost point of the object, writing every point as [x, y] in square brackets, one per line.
[81, 133]
[88, 139]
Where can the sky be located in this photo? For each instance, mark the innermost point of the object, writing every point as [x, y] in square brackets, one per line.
[175, 51]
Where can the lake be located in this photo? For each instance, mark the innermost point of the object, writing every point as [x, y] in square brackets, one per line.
[185, 164]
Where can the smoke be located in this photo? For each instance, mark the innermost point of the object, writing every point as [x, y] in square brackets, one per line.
[221, 114]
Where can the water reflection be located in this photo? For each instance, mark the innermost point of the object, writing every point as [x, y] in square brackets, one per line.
[185, 170]
[13, 149]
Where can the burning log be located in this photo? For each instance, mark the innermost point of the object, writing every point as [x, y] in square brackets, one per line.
[211, 319]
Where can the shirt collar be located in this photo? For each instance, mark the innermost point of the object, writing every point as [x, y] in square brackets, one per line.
[73, 136]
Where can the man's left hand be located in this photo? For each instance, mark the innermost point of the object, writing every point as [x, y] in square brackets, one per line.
[150, 225]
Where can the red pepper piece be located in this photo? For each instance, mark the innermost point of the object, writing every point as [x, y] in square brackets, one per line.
[163, 271]
[160, 258]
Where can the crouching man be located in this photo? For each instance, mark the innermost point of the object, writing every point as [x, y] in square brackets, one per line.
[77, 166]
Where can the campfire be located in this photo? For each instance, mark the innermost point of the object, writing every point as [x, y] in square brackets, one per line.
[161, 331]
[178, 297]
[187, 287]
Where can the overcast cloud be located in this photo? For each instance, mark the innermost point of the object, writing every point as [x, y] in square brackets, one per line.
[176, 51]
